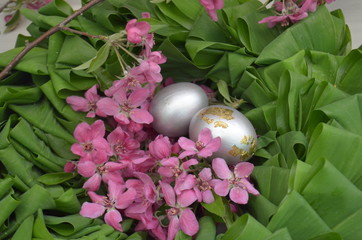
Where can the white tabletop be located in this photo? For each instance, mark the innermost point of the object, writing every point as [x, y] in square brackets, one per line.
[352, 10]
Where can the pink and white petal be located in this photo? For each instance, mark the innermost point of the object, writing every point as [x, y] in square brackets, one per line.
[205, 174]
[186, 165]
[115, 176]
[187, 144]
[114, 189]
[87, 168]
[78, 103]
[82, 132]
[170, 162]
[138, 97]
[117, 135]
[186, 198]
[91, 210]
[239, 195]
[77, 149]
[98, 129]
[120, 96]
[124, 200]
[250, 188]
[91, 114]
[121, 118]
[187, 154]
[243, 169]
[221, 187]
[204, 153]
[137, 208]
[91, 94]
[205, 136]
[187, 182]
[188, 222]
[93, 183]
[132, 144]
[214, 144]
[168, 194]
[101, 143]
[219, 4]
[96, 198]
[165, 171]
[108, 106]
[99, 156]
[113, 219]
[198, 194]
[207, 196]
[221, 168]
[141, 116]
[114, 166]
[173, 227]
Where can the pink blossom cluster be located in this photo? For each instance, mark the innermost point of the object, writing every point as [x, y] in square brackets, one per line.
[151, 178]
[292, 11]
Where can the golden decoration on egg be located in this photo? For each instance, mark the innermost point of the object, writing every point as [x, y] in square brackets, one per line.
[221, 124]
[218, 111]
[207, 119]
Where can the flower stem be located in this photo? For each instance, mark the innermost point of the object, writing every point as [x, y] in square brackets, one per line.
[101, 37]
[5, 5]
[48, 33]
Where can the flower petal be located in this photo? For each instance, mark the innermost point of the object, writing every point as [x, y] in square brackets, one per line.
[221, 168]
[239, 195]
[188, 222]
[125, 199]
[205, 174]
[87, 168]
[141, 116]
[207, 196]
[221, 187]
[186, 198]
[113, 219]
[108, 106]
[186, 144]
[243, 169]
[205, 136]
[138, 97]
[78, 103]
[93, 183]
[168, 194]
[91, 210]
[173, 227]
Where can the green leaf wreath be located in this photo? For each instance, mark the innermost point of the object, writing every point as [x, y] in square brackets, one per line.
[299, 86]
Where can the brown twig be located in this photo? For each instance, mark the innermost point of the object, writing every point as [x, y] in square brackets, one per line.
[45, 35]
[5, 5]
[101, 37]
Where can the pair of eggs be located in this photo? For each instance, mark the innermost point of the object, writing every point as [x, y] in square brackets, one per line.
[182, 108]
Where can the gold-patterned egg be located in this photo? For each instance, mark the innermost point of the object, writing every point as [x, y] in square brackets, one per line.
[238, 137]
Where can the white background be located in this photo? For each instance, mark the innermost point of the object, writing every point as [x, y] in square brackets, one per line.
[352, 10]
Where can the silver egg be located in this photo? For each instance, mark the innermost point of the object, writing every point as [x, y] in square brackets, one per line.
[173, 107]
[238, 137]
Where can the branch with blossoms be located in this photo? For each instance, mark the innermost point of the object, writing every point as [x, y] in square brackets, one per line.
[158, 181]
[292, 11]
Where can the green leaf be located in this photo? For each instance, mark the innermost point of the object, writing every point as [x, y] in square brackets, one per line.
[217, 207]
[8, 204]
[39, 228]
[182, 236]
[246, 227]
[24, 232]
[207, 229]
[13, 23]
[55, 178]
[223, 90]
[100, 58]
[5, 185]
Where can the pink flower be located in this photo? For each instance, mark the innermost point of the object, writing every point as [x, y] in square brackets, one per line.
[290, 13]
[203, 186]
[90, 141]
[211, 6]
[146, 193]
[121, 143]
[70, 166]
[171, 167]
[148, 71]
[181, 217]
[117, 198]
[204, 147]
[137, 31]
[160, 148]
[7, 18]
[124, 108]
[36, 4]
[97, 173]
[236, 182]
[87, 104]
